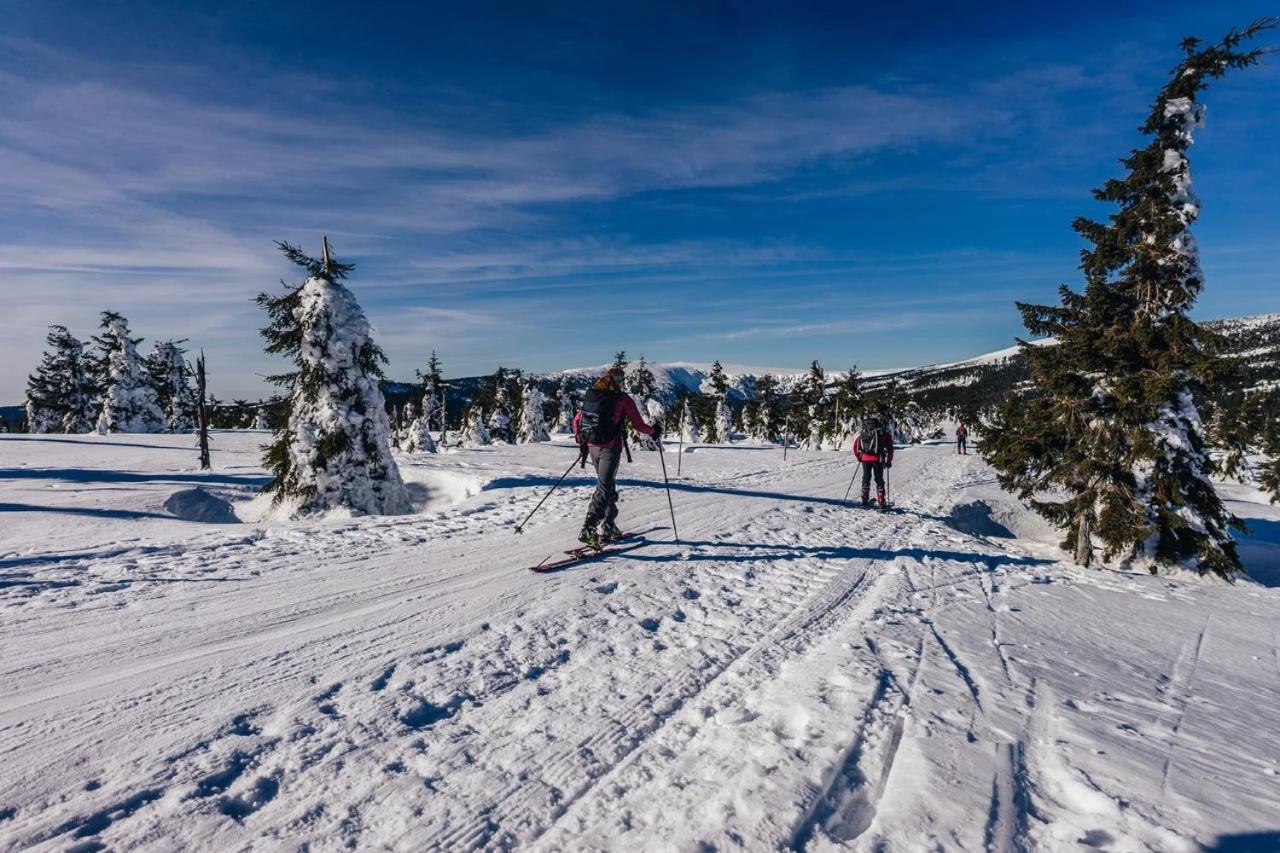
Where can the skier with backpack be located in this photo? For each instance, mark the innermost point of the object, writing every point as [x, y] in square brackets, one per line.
[598, 426]
[962, 440]
[873, 447]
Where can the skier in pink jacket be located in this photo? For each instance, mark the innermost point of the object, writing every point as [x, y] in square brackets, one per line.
[599, 426]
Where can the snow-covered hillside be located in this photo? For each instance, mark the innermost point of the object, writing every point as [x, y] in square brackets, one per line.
[794, 674]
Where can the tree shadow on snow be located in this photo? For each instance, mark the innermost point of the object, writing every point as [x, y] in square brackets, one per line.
[781, 551]
[538, 480]
[79, 510]
[63, 440]
[1260, 553]
[92, 475]
[1246, 842]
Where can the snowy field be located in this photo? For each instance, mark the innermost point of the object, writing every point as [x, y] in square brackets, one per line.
[796, 674]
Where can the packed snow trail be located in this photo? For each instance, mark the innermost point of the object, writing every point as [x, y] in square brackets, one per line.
[796, 674]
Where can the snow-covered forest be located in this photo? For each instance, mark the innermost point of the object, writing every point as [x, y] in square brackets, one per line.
[307, 621]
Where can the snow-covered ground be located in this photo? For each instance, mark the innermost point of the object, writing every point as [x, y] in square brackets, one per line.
[795, 673]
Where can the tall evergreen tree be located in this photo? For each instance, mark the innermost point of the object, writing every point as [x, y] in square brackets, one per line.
[620, 360]
[717, 380]
[128, 400]
[433, 394]
[60, 394]
[809, 414]
[1111, 443]
[333, 452]
[170, 376]
[847, 412]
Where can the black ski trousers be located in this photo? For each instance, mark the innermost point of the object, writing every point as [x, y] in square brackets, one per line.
[962, 444]
[869, 468]
[604, 503]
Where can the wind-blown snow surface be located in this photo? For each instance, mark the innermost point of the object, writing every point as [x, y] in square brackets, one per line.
[796, 674]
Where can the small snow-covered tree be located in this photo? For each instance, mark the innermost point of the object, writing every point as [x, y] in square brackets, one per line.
[689, 424]
[1109, 441]
[333, 451]
[261, 421]
[60, 394]
[417, 435]
[500, 421]
[724, 421]
[128, 400]
[564, 422]
[171, 377]
[533, 424]
[433, 394]
[643, 389]
[474, 433]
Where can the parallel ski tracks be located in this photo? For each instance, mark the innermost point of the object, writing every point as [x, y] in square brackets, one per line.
[520, 815]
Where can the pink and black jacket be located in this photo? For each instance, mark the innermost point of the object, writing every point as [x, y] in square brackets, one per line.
[886, 449]
[623, 408]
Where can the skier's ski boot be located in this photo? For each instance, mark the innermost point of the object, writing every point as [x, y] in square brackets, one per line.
[609, 532]
[589, 537]
[866, 503]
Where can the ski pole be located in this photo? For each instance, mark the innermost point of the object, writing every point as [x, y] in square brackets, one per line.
[849, 490]
[520, 526]
[663, 458]
[679, 454]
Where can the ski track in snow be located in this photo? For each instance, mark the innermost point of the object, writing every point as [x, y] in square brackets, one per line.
[796, 674]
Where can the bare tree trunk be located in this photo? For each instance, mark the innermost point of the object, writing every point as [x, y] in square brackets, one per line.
[1084, 542]
[202, 415]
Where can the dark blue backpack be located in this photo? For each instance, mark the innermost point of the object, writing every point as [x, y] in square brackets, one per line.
[596, 425]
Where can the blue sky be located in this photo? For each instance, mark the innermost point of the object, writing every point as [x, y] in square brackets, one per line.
[541, 184]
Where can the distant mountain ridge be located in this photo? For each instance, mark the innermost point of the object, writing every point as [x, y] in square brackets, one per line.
[974, 381]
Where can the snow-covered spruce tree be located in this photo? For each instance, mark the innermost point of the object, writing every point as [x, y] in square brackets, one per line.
[417, 435]
[766, 410]
[689, 429]
[60, 393]
[848, 410]
[128, 400]
[1110, 444]
[433, 394]
[170, 377]
[564, 421]
[500, 419]
[533, 424]
[809, 408]
[333, 450]
[620, 360]
[644, 390]
[260, 420]
[724, 420]
[473, 432]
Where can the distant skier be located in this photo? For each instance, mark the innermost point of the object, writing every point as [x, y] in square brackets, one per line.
[962, 440]
[873, 447]
[598, 426]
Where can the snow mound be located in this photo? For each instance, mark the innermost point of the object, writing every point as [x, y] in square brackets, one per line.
[198, 505]
[976, 519]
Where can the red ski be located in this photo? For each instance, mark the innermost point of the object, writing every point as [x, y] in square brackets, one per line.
[584, 553]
